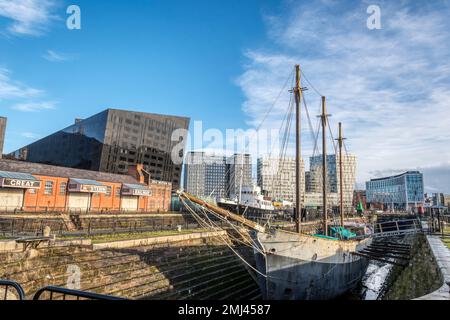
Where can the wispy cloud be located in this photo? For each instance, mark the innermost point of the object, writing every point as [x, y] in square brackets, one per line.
[34, 106]
[21, 96]
[29, 135]
[389, 87]
[10, 89]
[54, 56]
[28, 17]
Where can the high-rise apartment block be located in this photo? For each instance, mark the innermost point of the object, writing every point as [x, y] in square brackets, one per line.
[277, 177]
[212, 176]
[315, 176]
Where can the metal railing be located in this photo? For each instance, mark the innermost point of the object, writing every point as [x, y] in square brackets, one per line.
[6, 285]
[14, 227]
[58, 293]
[397, 227]
[56, 209]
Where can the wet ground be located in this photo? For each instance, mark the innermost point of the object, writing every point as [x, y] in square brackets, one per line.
[372, 284]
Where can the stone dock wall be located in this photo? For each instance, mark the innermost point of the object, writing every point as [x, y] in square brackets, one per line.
[196, 266]
[420, 277]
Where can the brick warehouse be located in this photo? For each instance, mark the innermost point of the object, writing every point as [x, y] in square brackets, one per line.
[33, 187]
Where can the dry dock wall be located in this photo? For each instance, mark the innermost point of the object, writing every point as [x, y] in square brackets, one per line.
[420, 277]
[196, 267]
[442, 256]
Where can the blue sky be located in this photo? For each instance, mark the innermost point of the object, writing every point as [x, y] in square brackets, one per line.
[224, 62]
[179, 58]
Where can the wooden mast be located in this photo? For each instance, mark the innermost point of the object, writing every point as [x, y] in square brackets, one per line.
[341, 180]
[298, 96]
[324, 167]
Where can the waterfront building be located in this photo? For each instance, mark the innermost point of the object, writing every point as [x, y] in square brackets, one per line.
[3, 121]
[359, 196]
[277, 177]
[314, 200]
[112, 141]
[315, 178]
[402, 192]
[447, 201]
[34, 187]
[205, 175]
[212, 176]
[239, 167]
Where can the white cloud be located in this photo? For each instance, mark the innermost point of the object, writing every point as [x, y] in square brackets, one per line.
[22, 97]
[389, 87]
[28, 17]
[29, 135]
[54, 56]
[10, 89]
[34, 106]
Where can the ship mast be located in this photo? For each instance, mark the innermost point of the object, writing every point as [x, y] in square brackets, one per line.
[298, 97]
[324, 166]
[341, 180]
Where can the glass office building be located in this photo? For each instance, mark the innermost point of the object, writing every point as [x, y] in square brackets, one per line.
[402, 192]
[111, 141]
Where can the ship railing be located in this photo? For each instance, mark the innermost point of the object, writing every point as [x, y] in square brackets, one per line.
[396, 227]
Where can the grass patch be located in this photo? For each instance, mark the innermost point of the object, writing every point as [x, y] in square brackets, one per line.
[102, 238]
[446, 241]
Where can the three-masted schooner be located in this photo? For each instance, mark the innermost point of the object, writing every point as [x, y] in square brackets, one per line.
[297, 266]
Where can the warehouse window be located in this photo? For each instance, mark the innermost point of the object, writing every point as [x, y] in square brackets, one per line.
[62, 188]
[48, 187]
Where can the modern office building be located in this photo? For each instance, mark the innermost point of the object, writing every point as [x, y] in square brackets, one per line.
[315, 178]
[212, 176]
[447, 201]
[401, 192]
[205, 175]
[113, 140]
[277, 177]
[240, 173]
[2, 134]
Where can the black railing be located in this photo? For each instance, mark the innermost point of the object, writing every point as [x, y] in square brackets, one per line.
[7, 284]
[58, 293]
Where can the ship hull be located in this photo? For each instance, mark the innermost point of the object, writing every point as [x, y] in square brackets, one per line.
[300, 267]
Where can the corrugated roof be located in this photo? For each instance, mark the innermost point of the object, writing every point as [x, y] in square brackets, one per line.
[17, 175]
[63, 172]
[136, 186]
[86, 182]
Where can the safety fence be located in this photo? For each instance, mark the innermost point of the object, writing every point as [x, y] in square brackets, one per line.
[11, 290]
